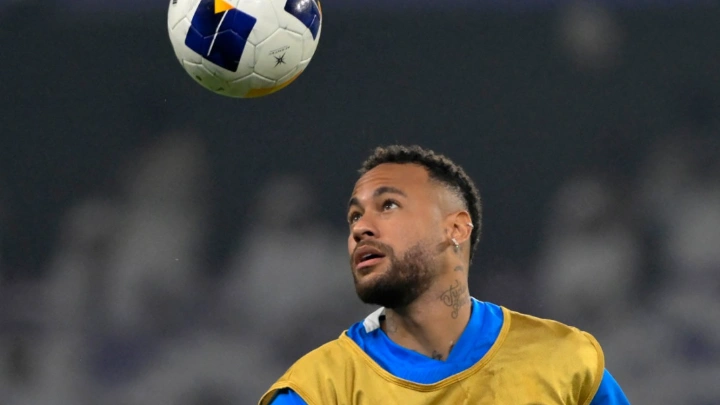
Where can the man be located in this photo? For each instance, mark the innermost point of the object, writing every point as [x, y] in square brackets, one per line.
[414, 219]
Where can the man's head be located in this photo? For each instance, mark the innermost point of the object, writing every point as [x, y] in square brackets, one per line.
[408, 211]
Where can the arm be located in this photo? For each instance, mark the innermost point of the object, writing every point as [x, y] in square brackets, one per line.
[289, 397]
[609, 392]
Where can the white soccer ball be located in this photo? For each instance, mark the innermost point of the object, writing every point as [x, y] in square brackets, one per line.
[244, 48]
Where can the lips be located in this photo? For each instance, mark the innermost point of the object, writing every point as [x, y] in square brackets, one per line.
[366, 256]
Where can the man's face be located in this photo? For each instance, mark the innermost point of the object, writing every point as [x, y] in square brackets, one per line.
[396, 234]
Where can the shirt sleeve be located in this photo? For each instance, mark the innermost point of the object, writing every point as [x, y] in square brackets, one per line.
[287, 397]
[609, 392]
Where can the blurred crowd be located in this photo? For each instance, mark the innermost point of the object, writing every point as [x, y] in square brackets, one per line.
[638, 265]
[127, 314]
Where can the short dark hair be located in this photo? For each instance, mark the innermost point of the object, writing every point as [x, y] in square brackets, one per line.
[440, 169]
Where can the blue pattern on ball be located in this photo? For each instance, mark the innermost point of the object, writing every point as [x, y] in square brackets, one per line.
[219, 37]
[306, 11]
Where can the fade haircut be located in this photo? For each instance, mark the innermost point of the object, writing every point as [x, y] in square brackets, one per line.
[440, 169]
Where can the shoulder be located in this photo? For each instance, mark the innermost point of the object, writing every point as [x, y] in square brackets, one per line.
[345, 347]
[541, 331]
[568, 348]
[332, 356]
[310, 372]
[328, 354]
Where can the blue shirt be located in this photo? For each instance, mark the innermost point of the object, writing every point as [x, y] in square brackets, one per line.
[482, 330]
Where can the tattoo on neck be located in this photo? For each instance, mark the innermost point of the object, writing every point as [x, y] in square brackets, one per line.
[458, 268]
[454, 297]
[437, 356]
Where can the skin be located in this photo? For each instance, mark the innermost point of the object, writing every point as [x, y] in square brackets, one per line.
[423, 280]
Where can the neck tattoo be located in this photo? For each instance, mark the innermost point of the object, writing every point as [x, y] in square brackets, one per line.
[455, 298]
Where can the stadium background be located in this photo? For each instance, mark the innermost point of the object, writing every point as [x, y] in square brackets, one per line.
[160, 244]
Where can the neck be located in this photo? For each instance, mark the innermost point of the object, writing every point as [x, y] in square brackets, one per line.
[432, 323]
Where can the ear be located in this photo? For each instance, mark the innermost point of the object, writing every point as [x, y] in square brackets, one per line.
[461, 226]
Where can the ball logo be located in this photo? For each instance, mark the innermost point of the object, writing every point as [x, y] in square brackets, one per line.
[219, 32]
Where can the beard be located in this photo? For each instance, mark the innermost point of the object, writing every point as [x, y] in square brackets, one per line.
[405, 279]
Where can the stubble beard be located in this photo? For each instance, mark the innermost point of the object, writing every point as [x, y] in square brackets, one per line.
[404, 280]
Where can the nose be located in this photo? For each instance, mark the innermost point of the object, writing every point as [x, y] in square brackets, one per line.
[363, 229]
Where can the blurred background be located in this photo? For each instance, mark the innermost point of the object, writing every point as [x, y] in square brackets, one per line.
[160, 244]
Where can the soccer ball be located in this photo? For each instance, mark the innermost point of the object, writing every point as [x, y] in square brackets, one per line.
[244, 48]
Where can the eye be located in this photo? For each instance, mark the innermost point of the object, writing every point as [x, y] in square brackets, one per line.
[353, 217]
[389, 205]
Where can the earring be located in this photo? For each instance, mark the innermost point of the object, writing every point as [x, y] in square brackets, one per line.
[457, 246]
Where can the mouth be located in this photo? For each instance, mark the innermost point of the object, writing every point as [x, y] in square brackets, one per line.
[366, 256]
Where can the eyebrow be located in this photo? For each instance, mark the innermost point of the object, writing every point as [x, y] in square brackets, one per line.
[377, 193]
